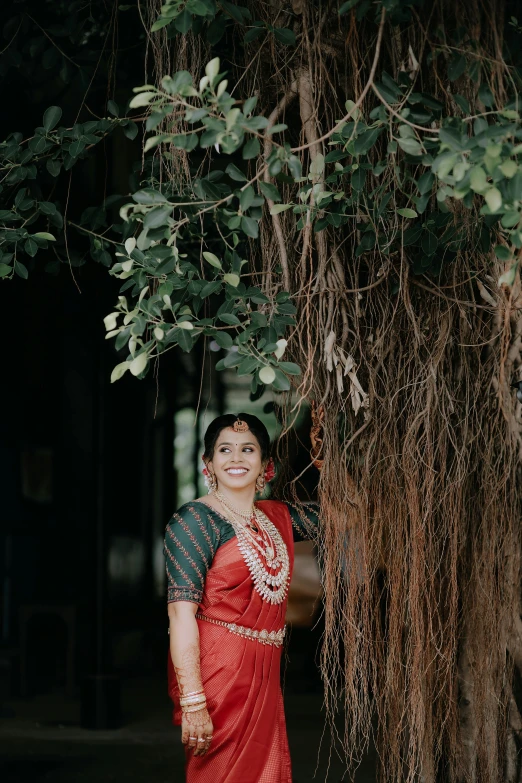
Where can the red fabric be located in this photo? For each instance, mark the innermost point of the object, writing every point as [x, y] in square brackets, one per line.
[241, 676]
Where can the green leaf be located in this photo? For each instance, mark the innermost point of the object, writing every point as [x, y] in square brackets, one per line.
[232, 360]
[149, 196]
[509, 168]
[5, 269]
[267, 375]
[503, 253]
[212, 259]
[246, 198]
[30, 247]
[51, 117]
[113, 108]
[254, 33]
[277, 208]
[284, 36]
[250, 227]
[478, 180]
[407, 213]
[425, 182]
[185, 340]
[366, 140]
[410, 146]
[248, 365]
[269, 191]
[493, 198]
[21, 270]
[358, 179]
[157, 217]
[142, 99]
[130, 130]
[159, 23]
[294, 166]
[47, 207]
[210, 288]
[53, 167]
[233, 280]
[174, 84]
[279, 128]
[235, 173]
[251, 149]
[290, 368]
[280, 382]
[229, 318]
[223, 339]
[510, 219]
[45, 235]
[183, 22]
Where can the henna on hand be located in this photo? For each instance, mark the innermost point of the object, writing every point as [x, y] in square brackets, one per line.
[188, 674]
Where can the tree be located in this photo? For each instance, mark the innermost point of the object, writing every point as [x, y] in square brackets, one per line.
[333, 194]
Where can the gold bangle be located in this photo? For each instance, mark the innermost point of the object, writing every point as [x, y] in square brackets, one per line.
[192, 701]
[194, 708]
[192, 693]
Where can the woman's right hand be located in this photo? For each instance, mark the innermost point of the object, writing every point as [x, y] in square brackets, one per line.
[196, 727]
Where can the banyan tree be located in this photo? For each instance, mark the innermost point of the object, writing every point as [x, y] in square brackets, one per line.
[332, 192]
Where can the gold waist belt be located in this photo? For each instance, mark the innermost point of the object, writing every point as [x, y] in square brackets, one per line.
[265, 637]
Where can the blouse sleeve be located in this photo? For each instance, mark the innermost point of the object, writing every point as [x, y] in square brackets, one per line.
[305, 520]
[191, 541]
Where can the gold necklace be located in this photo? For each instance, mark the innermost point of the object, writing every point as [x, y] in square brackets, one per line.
[267, 549]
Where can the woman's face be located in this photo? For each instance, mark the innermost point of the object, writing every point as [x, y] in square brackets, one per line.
[237, 459]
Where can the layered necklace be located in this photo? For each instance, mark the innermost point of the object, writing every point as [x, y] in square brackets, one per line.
[264, 551]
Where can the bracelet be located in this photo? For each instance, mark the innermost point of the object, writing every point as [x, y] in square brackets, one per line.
[192, 693]
[188, 701]
[194, 708]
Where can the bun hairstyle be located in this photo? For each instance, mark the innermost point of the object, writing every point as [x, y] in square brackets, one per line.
[255, 426]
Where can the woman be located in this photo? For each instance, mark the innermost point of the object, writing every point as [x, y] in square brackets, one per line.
[229, 563]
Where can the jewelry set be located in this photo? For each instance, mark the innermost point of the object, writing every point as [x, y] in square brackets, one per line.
[263, 550]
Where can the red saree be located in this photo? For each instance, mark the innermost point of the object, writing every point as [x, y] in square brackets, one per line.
[241, 677]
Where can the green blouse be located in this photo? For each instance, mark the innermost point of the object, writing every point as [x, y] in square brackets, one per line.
[195, 533]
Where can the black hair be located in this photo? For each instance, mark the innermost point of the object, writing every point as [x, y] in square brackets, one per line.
[255, 426]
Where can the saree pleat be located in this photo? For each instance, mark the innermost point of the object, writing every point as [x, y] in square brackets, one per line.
[241, 677]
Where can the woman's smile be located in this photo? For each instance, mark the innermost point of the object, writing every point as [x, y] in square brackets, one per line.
[236, 471]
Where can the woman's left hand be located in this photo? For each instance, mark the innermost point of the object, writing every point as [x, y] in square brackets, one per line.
[196, 731]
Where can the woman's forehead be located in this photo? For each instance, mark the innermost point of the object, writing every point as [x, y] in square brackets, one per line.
[230, 436]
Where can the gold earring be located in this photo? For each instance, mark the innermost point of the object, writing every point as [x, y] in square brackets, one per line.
[260, 483]
[212, 482]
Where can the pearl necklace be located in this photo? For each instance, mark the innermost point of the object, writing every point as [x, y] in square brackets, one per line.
[265, 554]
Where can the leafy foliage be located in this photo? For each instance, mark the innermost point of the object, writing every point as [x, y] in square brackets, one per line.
[397, 171]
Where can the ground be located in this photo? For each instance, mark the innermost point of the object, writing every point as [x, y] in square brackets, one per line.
[41, 741]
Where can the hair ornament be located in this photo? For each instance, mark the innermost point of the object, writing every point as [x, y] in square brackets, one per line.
[270, 470]
[240, 426]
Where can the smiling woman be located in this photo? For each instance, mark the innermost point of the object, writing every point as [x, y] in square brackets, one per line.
[229, 564]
